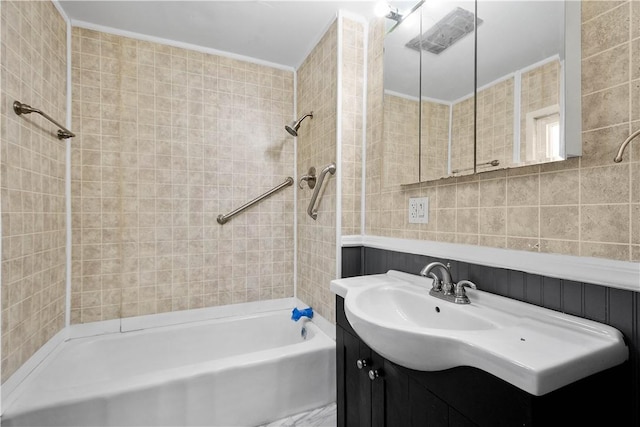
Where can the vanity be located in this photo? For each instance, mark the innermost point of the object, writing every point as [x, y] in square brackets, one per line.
[578, 387]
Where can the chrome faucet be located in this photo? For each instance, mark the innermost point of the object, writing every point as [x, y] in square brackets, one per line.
[445, 289]
[446, 284]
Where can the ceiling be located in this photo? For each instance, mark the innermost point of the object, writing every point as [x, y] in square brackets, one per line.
[514, 34]
[278, 32]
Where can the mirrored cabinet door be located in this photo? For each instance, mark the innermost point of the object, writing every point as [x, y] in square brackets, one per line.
[447, 89]
[521, 55]
[401, 103]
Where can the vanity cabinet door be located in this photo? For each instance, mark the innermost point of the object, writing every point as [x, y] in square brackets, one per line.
[425, 408]
[354, 385]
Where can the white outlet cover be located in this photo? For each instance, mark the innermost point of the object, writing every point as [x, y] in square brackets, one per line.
[418, 210]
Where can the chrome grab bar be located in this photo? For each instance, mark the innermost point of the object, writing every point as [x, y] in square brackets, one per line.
[20, 108]
[626, 142]
[224, 218]
[311, 210]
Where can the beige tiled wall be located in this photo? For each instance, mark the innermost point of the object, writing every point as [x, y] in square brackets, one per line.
[352, 124]
[587, 206]
[34, 58]
[169, 139]
[317, 92]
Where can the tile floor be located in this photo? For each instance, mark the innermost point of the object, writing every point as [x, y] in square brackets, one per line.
[321, 417]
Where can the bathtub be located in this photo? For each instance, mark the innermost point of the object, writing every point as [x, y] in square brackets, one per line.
[240, 371]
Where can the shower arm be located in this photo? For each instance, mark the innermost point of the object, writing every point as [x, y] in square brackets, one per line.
[312, 210]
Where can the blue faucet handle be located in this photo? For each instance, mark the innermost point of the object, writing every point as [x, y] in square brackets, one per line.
[305, 312]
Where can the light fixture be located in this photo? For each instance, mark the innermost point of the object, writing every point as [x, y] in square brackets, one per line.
[384, 9]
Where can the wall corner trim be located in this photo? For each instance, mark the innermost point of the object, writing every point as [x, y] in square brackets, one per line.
[599, 271]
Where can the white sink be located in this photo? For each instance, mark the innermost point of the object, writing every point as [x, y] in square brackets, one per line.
[533, 348]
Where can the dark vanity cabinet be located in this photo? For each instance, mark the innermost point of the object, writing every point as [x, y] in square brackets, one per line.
[373, 391]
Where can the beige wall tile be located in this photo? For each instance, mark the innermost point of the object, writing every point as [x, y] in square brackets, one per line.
[559, 247]
[635, 57]
[605, 31]
[608, 184]
[599, 145]
[492, 221]
[493, 192]
[606, 69]
[560, 188]
[635, 99]
[593, 8]
[604, 250]
[635, 224]
[605, 108]
[635, 22]
[522, 221]
[467, 221]
[559, 222]
[605, 223]
[523, 190]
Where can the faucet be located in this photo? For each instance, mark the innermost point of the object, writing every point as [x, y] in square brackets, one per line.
[446, 284]
[445, 289]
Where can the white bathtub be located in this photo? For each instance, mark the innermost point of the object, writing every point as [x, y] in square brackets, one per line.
[240, 371]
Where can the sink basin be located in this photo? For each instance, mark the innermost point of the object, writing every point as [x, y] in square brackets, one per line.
[536, 349]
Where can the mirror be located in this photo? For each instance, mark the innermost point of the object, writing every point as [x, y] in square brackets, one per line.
[401, 107]
[447, 89]
[527, 70]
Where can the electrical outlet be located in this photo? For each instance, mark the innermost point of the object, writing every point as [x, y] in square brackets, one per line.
[418, 210]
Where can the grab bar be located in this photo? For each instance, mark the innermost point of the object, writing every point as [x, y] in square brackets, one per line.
[224, 218]
[330, 168]
[626, 142]
[20, 108]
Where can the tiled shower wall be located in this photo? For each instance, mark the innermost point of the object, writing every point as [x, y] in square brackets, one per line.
[586, 206]
[34, 58]
[317, 92]
[352, 124]
[317, 146]
[168, 139]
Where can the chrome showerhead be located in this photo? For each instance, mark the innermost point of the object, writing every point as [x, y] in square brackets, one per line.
[295, 125]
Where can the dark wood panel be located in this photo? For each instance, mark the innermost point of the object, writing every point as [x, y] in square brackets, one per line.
[572, 295]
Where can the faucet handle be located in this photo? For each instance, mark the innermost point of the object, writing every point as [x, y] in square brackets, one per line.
[437, 284]
[461, 296]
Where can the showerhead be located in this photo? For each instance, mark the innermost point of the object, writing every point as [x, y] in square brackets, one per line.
[295, 125]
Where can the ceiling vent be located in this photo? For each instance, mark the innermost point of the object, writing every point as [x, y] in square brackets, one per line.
[457, 24]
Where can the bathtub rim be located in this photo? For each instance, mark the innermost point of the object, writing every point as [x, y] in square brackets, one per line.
[10, 391]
